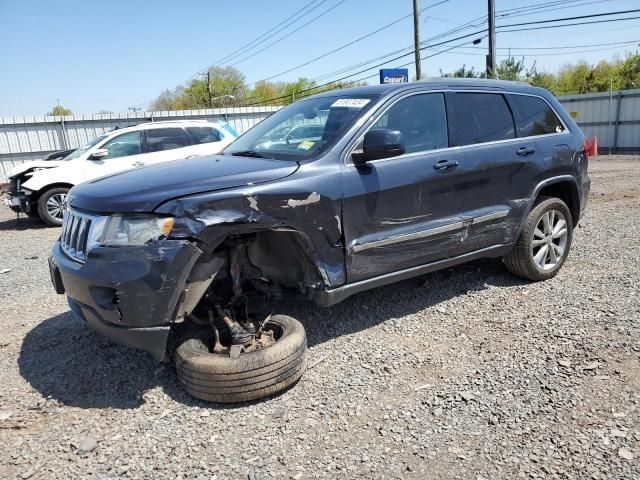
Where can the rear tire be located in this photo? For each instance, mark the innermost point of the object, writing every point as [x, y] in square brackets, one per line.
[257, 374]
[544, 243]
[50, 206]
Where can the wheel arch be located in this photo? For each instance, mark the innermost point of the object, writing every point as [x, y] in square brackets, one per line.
[282, 254]
[38, 193]
[565, 188]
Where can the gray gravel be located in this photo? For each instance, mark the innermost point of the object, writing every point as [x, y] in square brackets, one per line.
[466, 373]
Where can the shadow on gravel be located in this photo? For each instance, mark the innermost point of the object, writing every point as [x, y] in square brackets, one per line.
[371, 308]
[23, 223]
[64, 360]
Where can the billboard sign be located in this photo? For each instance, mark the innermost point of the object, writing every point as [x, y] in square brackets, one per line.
[394, 75]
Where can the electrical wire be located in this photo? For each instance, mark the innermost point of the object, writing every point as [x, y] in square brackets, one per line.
[498, 29]
[346, 45]
[289, 34]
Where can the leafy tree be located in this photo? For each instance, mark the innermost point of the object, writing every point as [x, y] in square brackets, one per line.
[293, 91]
[266, 92]
[576, 78]
[59, 110]
[629, 72]
[462, 72]
[580, 77]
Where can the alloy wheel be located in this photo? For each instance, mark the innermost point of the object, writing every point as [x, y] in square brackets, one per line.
[55, 205]
[549, 240]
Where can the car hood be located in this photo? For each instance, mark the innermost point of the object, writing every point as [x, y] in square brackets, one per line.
[28, 167]
[144, 189]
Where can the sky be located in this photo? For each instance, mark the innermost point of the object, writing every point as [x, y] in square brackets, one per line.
[94, 56]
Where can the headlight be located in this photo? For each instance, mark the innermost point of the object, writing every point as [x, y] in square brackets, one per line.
[135, 229]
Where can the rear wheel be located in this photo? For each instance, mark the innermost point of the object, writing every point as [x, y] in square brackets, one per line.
[51, 206]
[544, 242]
[276, 361]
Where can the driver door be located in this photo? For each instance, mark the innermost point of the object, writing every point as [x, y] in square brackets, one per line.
[125, 151]
[406, 211]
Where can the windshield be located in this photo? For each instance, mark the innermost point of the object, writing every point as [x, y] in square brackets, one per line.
[304, 129]
[78, 153]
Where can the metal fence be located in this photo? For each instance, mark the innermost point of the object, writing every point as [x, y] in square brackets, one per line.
[31, 138]
[613, 117]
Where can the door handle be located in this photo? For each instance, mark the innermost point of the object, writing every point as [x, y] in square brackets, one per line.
[137, 163]
[445, 164]
[525, 150]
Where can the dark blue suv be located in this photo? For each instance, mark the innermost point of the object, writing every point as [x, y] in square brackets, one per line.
[393, 181]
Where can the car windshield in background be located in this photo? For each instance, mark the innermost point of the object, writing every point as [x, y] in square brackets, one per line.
[78, 153]
[304, 129]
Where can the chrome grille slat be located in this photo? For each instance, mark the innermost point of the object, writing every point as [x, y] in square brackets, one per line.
[75, 235]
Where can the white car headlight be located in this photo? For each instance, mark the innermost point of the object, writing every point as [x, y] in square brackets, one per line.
[134, 229]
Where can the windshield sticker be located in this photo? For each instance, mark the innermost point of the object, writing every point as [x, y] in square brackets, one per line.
[351, 102]
[306, 145]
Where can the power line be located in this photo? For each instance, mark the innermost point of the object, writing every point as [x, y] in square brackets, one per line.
[362, 71]
[544, 27]
[290, 33]
[346, 45]
[499, 29]
[255, 42]
[580, 17]
[266, 36]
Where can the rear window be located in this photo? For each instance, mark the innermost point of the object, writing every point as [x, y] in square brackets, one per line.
[534, 116]
[159, 139]
[478, 118]
[204, 134]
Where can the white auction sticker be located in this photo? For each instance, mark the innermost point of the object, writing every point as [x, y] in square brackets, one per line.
[351, 102]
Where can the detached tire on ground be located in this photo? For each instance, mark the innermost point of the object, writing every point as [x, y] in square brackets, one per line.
[253, 375]
[544, 243]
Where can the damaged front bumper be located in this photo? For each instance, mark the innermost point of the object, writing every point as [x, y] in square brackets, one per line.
[18, 199]
[129, 294]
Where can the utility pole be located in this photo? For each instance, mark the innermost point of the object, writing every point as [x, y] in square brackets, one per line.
[491, 57]
[209, 89]
[416, 37]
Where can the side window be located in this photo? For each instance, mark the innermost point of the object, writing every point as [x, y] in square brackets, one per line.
[159, 139]
[123, 145]
[478, 118]
[534, 116]
[421, 119]
[204, 134]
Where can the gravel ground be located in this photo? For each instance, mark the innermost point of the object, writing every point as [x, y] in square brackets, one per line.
[466, 373]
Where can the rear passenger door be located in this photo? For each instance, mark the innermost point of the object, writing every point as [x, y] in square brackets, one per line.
[500, 165]
[207, 140]
[164, 144]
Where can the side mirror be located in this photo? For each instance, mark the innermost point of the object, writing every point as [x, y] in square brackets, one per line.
[379, 143]
[99, 154]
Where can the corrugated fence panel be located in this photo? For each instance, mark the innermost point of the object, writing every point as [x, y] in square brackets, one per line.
[31, 138]
[613, 117]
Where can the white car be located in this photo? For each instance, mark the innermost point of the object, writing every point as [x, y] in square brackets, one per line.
[39, 188]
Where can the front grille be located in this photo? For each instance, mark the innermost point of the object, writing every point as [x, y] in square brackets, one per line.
[75, 235]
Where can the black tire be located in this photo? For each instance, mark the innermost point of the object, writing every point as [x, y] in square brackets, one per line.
[520, 261]
[43, 212]
[253, 375]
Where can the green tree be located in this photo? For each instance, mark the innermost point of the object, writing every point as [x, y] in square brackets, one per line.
[629, 72]
[59, 110]
[293, 91]
[265, 93]
[462, 72]
[514, 69]
[576, 78]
